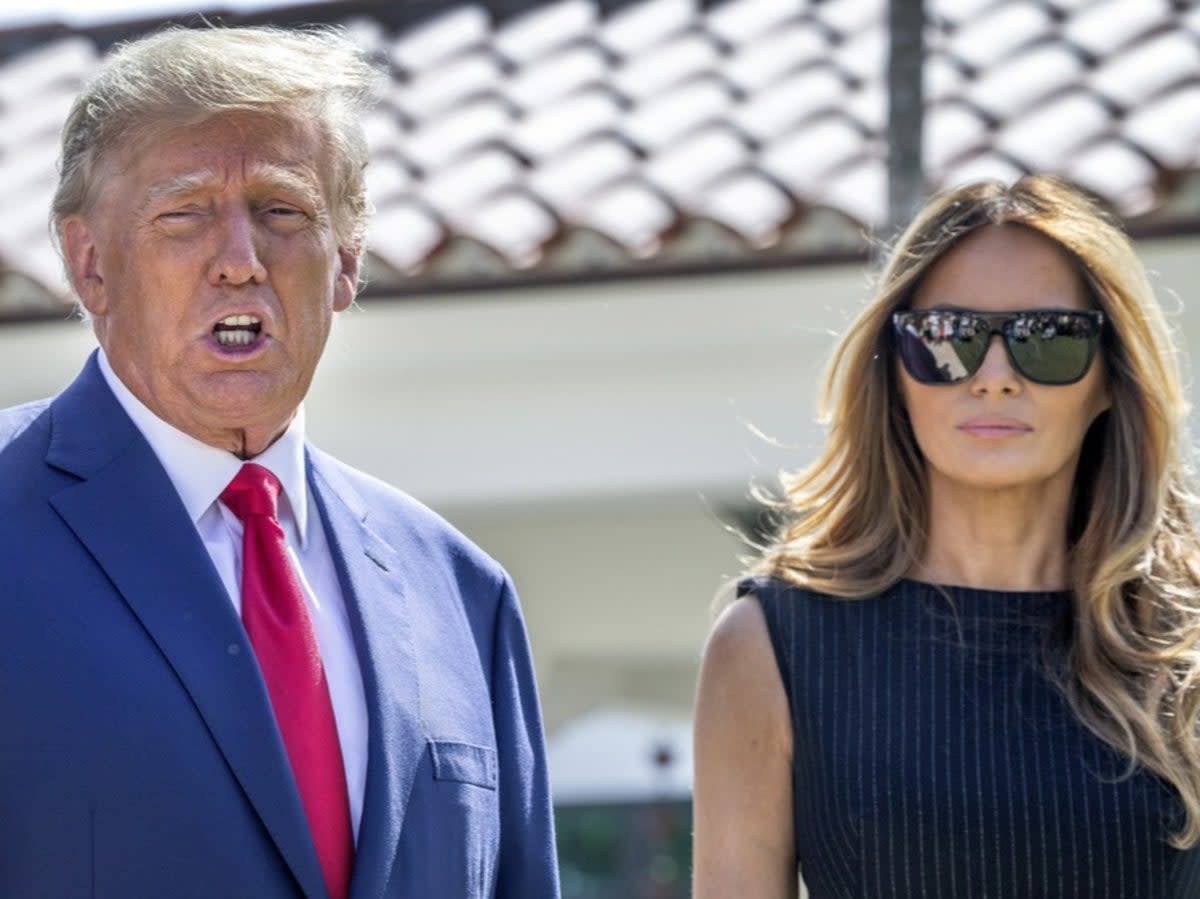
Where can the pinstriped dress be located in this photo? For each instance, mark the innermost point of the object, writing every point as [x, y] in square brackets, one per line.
[933, 757]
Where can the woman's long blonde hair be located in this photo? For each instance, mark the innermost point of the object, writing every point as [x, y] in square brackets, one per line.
[856, 520]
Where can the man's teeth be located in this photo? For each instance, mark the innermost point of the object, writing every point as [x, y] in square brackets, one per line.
[237, 330]
[235, 338]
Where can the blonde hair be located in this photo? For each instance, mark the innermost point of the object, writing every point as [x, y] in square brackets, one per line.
[856, 520]
[183, 76]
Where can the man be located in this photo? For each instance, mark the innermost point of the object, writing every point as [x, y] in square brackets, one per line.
[230, 665]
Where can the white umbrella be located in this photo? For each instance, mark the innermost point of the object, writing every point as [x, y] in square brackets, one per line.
[621, 756]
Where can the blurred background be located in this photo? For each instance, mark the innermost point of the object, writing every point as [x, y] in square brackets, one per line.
[612, 245]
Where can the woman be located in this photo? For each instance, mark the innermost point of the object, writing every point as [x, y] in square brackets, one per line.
[969, 663]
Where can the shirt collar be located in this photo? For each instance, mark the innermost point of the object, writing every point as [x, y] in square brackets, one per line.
[200, 472]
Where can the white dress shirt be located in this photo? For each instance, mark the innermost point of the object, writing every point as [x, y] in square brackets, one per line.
[200, 473]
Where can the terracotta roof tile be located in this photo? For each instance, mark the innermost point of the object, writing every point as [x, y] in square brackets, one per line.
[1105, 27]
[1055, 130]
[23, 173]
[388, 179]
[64, 63]
[802, 160]
[1021, 81]
[759, 64]
[413, 232]
[957, 12]
[1191, 19]
[24, 239]
[632, 214]
[749, 203]
[669, 117]
[577, 137]
[739, 21]
[448, 35]
[998, 32]
[1116, 169]
[864, 54]
[944, 76]
[684, 56]
[456, 188]
[1067, 7]
[646, 23]
[860, 189]
[1168, 128]
[868, 107]
[514, 224]
[550, 79]
[779, 108]
[686, 169]
[568, 180]
[561, 125]
[981, 166]
[462, 129]
[442, 87]
[951, 130]
[535, 34]
[1136, 74]
[845, 17]
[368, 33]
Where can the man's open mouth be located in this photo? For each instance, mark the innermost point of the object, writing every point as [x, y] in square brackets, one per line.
[237, 330]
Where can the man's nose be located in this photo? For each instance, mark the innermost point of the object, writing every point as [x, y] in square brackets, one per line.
[237, 259]
[996, 372]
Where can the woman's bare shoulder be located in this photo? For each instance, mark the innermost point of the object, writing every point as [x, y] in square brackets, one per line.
[739, 674]
[744, 843]
[740, 633]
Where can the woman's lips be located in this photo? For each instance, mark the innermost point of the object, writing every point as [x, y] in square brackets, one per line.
[995, 426]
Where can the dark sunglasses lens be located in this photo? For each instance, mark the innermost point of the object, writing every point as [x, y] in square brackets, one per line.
[1060, 359]
[934, 359]
[1045, 347]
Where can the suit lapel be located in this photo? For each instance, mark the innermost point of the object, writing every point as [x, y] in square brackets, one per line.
[372, 584]
[126, 512]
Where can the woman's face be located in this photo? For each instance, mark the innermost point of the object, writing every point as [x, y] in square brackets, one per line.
[996, 429]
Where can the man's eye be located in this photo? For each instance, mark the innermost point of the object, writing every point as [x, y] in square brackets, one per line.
[179, 220]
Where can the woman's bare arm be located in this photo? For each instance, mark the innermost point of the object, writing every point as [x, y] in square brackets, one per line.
[744, 843]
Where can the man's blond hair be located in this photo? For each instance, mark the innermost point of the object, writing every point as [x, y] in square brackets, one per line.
[182, 76]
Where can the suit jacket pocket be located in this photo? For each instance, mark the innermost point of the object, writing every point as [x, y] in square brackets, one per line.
[450, 842]
[464, 763]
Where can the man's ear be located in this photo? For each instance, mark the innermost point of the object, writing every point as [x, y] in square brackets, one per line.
[83, 264]
[345, 286]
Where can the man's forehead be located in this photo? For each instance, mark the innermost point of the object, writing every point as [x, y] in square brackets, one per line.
[298, 175]
[221, 146]
[254, 152]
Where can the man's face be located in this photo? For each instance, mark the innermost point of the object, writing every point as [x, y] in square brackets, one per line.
[209, 264]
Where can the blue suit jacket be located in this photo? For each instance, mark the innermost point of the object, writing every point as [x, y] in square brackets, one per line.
[138, 752]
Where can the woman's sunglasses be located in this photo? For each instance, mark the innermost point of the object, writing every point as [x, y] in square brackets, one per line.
[1046, 346]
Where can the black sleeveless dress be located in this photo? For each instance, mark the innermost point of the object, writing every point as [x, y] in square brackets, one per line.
[934, 758]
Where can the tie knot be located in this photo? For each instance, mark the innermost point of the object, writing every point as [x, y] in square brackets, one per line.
[253, 491]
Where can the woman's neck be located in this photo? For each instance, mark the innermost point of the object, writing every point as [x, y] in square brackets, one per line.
[1004, 539]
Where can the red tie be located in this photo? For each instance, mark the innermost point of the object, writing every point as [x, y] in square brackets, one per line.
[276, 619]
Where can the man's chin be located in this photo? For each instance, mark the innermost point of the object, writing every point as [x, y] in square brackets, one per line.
[240, 392]
[242, 421]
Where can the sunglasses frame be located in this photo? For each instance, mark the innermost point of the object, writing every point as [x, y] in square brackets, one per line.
[1002, 323]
